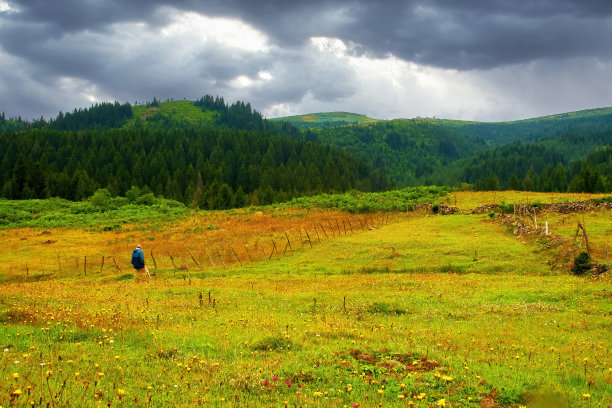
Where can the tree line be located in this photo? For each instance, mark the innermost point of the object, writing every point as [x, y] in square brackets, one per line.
[208, 168]
[539, 167]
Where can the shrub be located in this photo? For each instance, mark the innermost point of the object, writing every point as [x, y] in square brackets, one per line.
[506, 208]
[582, 263]
[146, 199]
[101, 198]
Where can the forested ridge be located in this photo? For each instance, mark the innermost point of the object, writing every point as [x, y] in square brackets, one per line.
[560, 153]
[209, 168]
[211, 154]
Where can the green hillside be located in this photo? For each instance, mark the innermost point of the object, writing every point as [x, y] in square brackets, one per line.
[325, 119]
[170, 111]
[552, 153]
[545, 127]
[440, 151]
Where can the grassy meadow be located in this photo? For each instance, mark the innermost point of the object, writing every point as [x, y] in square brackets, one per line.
[304, 307]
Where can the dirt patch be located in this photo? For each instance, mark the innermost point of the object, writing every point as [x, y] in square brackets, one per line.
[390, 361]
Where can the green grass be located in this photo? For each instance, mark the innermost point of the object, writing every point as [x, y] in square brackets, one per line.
[324, 335]
[174, 111]
[359, 202]
[404, 312]
[57, 212]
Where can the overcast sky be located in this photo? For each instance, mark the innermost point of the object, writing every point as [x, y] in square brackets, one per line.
[484, 60]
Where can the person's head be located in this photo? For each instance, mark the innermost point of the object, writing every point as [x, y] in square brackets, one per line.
[139, 246]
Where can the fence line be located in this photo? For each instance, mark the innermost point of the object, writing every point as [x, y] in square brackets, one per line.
[202, 258]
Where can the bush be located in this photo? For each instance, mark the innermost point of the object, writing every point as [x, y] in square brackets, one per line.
[357, 202]
[582, 263]
[506, 208]
[101, 198]
[604, 199]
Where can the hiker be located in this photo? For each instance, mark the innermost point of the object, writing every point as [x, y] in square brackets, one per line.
[140, 270]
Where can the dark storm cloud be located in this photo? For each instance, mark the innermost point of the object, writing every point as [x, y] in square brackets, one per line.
[89, 41]
[446, 33]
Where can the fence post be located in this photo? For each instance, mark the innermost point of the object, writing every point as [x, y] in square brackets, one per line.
[331, 228]
[288, 242]
[116, 265]
[221, 258]
[194, 260]
[326, 237]
[237, 257]
[309, 241]
[248, 253]
[210, 258]
[153, 258]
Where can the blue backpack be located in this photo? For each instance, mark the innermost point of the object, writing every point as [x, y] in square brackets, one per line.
[138, 259]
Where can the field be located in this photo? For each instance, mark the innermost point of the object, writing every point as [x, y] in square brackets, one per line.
[306, 307]
[325, 119]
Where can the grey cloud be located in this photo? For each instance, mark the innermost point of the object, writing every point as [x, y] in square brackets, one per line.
[46, 41]
[446, 33]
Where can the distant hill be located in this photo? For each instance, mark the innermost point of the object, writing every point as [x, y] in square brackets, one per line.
[325, 119]
[441, 151]
[545, 127]
[170, 112]
[567, 151]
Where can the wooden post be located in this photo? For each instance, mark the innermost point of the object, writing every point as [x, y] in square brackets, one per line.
[102, 264]
[42, 268]
[172, 260]
[221, 258]
[116, 266]
[248, 253]
[317, 232]
[350, 225]
[153, 259]
[273, 249]
[326, 237]
[260, 247]
[546, 228]
[338, 226]
[344, 305]
[211, 260]
[288, 242]
[237, 257]
[344, 226]
[362, 227]
[85, 265]
[331, 228]
[581, 228]
[309, 241]
[27, 271]
[194, 260]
